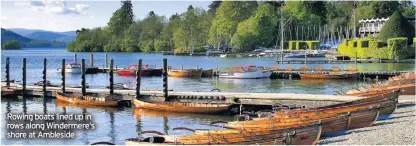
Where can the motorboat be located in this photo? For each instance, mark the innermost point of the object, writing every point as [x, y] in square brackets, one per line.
[74, 68]
[132, 69]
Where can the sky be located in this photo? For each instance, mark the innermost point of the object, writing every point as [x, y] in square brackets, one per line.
[58, 15]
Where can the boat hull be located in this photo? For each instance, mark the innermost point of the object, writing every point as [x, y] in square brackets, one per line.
[185, 73]
[144, 72]
[72, 70]
[76, 100]
[181, 107]
[327, 76]
[207, 73]
[243, 75]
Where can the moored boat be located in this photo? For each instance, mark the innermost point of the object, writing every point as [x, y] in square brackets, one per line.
[329, 75]
[184, 72]
[8, 92]
[74, 68]
[207, 73]
[300, 135]
[241, 72]
[132, 69]
[200, 108]
[110, 100]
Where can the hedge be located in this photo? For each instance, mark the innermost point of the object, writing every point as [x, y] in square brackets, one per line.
[303, 45]
[377, 49]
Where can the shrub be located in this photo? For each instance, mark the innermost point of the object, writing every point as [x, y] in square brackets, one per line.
[397, 26]
[376, 49]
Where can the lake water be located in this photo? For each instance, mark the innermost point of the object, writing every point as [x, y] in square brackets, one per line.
[115, 125]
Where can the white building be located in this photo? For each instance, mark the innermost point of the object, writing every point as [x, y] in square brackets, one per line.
[371, 27]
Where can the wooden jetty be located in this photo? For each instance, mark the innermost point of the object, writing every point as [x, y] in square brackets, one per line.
[343, 61]
[361, 74]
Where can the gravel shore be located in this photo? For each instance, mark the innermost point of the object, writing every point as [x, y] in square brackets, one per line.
[400, 129]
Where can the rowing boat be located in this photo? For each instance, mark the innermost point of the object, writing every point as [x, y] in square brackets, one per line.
[185, 72]
[199, 108]
[330, 75]
[8, 92]
[109, 100]
[300, 135]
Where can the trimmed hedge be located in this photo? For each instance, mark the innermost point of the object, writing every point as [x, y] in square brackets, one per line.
[377, 49]
[303, 45]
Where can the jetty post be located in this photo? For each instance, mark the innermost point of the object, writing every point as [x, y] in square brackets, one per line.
[83, 84]
[24, 77]
[63, 76]
[7, 71]
[91, 60]
[165, 78]
[106, 60]
[196, 66]
[75, 58]
[44, 78]
[138, 78]
[111, 77]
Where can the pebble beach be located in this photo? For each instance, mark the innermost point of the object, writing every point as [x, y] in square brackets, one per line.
[400, 129]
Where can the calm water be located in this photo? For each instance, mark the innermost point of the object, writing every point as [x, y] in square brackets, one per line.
[117, 124]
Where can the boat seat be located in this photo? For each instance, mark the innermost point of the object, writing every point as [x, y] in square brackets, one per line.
[352, 69]
[303, 68]
[319, 68]
[335, 69]
[274, 68]
[288, 68]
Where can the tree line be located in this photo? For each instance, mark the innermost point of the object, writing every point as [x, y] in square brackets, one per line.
[242, 25]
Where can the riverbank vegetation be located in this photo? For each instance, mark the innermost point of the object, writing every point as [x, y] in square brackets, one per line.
[10, 45]
[242, 25]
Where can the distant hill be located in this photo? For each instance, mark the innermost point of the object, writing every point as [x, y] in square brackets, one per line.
[69, 33]
[50, 36]
[66, 36]
[25, 42]
[22, 31]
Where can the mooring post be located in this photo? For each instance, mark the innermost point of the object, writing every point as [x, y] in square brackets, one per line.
[138, 78]
[306, 55]
[111, 77]
[75, 58]
[63, 76]
[7, 72]
[24, 77]
[44, 78]
[91, 60]
[165, 78]
[83, 84]
[181, 65]
[197, 67]
[106, 60]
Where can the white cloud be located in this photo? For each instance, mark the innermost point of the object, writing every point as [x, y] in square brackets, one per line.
[55, 7]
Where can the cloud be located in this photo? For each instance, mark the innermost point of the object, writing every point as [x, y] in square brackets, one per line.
[55, 7]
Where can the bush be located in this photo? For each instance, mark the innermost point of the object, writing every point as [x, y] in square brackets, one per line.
[11, 44]
[399, 48]
[397, 26]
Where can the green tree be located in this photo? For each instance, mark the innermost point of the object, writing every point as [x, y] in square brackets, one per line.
[257, 31]
[10, 44]
[302, 13]
[228, 15]
[397, 26]
[375, 9]
[151, 27]
[121, 19]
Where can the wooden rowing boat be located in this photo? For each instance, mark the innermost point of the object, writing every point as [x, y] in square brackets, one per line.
[60, 103]
[110, 100]
[185, 72]
[330, 75]
[207, 73]
[406, 89]
[199, 108]
[301, 135]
